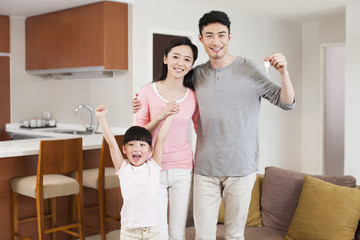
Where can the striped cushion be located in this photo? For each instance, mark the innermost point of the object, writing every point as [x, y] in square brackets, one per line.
[90, 178]
[55, 185]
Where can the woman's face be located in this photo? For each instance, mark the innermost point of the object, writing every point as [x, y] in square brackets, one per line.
[179, 61]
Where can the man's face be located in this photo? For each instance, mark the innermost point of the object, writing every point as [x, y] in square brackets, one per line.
[215, 38]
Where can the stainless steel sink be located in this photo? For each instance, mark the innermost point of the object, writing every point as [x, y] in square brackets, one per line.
[75, 132]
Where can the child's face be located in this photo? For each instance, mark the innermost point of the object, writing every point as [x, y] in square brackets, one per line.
[137, 152]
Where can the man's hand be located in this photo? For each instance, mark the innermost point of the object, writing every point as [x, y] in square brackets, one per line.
[278, 61]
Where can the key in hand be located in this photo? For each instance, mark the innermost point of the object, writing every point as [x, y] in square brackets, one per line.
[267, 65]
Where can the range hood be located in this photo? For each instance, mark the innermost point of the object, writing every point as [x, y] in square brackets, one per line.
[75, 73]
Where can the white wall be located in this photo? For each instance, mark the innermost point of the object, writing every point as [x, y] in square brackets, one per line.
[254, 37]
[352, 87]
[31, 95]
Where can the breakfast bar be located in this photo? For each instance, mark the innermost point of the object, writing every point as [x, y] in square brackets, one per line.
[19, 158]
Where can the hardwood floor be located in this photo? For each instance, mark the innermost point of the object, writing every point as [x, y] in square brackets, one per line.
[113, 235]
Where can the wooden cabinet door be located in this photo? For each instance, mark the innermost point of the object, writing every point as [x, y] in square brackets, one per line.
[4, 76]
[4, 34]
[86, 36]
[42, 42]
[92, 35]
[69, 35]
[4, 96]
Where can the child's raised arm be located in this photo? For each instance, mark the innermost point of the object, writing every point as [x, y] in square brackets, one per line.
[159, 142]
[115, 151]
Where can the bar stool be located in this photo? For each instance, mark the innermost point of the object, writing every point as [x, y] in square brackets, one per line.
[102, 179]
[57, 159]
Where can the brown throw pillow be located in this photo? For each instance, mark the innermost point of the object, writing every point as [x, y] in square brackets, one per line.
[325, 212]
[280, 194]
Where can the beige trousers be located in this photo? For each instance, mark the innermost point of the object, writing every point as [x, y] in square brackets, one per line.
[236, 195]
[144, 233]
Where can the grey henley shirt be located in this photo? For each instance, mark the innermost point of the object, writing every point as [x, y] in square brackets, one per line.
[229, 101]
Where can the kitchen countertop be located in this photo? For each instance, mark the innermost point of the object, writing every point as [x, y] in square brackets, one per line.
[24, 147]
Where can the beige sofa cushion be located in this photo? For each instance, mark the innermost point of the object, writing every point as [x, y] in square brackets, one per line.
[281, 190]
[55, 185]
[251, 233]
[325, 212]
[254, 215]
[90, 178]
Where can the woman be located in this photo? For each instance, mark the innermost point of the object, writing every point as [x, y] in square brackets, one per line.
[173, 93]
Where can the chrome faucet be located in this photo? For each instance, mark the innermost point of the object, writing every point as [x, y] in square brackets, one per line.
[91, 128]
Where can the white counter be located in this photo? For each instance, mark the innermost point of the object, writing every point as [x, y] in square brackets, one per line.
[26, 147]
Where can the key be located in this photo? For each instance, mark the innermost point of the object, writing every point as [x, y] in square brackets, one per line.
[267, 65]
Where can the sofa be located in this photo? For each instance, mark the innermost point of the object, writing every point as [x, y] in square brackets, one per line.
[291, 205]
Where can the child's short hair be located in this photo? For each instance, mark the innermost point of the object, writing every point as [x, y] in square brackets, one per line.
[136, 133]
[214, 17]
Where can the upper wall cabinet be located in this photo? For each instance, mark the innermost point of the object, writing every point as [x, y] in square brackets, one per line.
[4, 34]
[94, 35]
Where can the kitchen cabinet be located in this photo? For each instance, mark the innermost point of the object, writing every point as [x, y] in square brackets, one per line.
[4, 34]
[4, 75]
[87, 36]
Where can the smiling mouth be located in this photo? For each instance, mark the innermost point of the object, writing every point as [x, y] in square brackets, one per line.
[216, 49]
[179, 69]
[136, 158]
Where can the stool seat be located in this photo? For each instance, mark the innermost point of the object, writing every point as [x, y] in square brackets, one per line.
[55, 185]
[91, 180]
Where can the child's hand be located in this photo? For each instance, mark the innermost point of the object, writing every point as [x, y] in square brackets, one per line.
[136, 104]
[172, 108]
[100, 111]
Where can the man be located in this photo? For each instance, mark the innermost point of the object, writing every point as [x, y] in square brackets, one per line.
[229, 91]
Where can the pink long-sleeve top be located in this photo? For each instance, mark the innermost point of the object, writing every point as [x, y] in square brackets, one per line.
[177, 148]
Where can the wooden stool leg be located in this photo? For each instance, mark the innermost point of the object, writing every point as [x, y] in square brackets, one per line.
[102, 212]
[73, 211]
[53, 216]
[14, 214]
[80, 208]
[40, 216]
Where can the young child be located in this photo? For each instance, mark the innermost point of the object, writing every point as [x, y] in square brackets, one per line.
[139, 176]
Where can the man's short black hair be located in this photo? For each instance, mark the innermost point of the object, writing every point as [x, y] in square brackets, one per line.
[214, 17]
[136, 133]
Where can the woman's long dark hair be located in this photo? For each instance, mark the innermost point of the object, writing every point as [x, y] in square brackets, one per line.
[174, 42]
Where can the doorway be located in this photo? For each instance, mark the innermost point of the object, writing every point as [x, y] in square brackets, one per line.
[334, 112]
[159, 42]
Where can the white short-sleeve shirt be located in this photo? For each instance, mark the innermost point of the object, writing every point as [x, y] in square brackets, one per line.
[140, 188]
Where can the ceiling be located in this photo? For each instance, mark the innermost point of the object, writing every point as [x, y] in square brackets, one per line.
[293, 10]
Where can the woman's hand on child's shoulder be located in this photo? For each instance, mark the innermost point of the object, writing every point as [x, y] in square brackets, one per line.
[100, 111]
